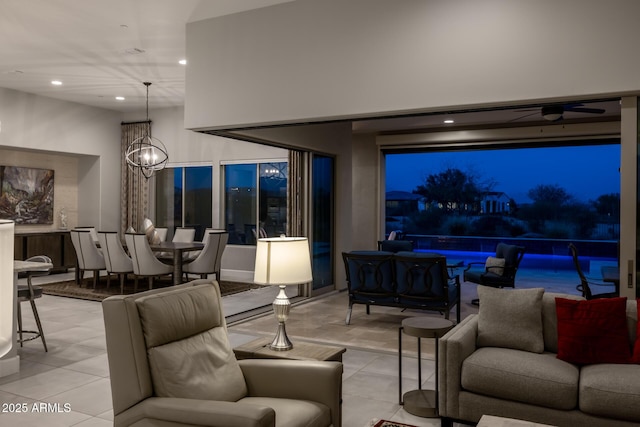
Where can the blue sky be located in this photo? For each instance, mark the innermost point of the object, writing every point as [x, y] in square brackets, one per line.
[585, 172]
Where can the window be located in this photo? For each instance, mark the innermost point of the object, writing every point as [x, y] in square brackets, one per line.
[255, 201]
[183, 198]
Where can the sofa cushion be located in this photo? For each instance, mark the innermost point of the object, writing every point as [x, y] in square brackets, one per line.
[522, 376]
[292, 413]
[510, 318]
[593, 331]
[611, 390]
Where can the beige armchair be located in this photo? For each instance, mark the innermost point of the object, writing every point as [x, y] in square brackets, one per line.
[171, 364]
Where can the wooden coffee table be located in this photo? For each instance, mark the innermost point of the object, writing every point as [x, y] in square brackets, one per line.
[259, 349]
[493, 421]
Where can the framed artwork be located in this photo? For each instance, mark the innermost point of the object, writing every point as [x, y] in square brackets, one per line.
[26, 195]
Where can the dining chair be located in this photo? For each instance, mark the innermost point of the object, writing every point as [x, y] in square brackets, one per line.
[145, 264]
[209, 259]
[183, 234]
[88, 255]
[162, 233]
[115, 257]
[30, 293]
[92, 230]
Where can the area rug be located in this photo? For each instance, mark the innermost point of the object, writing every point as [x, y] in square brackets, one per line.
[70, 289]
[384, 423]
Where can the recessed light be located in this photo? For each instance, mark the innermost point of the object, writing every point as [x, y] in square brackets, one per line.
[56, 82]
[182, 62]
[119, 98]
[448, 121]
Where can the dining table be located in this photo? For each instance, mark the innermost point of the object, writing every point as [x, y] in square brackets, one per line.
[177, 249]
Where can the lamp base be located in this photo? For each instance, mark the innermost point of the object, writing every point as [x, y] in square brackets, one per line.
[281, 340]
[281, 307]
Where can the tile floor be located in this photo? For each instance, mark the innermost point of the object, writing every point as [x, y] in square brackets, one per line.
[72, 379]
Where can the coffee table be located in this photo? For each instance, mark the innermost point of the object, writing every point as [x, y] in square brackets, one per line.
[493, 421]
[259, 349]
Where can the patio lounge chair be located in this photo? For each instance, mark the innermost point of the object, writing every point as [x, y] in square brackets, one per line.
[585, 283]
[500, 275]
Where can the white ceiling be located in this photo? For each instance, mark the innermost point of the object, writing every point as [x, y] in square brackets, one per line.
[84, 44]
[87, 45]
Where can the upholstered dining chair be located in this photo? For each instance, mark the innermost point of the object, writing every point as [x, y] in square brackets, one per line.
[145, 264]
[92, 230]
[171, 364]
[89, 257]
[162, 233]
[184, 234]
[116, 258]
[30, 292]
[209, 259]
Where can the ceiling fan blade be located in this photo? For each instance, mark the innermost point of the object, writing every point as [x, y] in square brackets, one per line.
[526, 115]
[527, 109]
[585, 110]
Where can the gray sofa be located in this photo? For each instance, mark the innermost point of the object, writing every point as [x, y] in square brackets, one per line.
[476, 379]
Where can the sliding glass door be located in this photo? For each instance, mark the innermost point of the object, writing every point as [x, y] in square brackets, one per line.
[184, 198]
[322, 220]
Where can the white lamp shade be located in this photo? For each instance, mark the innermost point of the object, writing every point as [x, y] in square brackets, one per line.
[282, 261]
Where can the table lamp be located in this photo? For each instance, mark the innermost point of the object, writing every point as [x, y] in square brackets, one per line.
[282, 261]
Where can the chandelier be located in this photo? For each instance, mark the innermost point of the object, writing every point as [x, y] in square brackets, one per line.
[147, 153]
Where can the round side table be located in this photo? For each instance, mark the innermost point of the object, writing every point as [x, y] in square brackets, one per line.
[422, 403]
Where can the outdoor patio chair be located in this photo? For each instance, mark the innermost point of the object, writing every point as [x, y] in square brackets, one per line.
[585, 283]
[499, 271]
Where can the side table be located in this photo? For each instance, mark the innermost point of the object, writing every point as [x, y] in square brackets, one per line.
[422, 403]
[259, 349]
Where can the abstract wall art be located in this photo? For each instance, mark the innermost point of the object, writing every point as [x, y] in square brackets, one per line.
[26, 195]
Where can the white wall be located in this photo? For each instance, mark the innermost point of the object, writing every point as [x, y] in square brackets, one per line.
[309, 60]
[36, 131]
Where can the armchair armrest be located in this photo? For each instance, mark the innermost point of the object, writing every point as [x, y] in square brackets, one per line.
[192, 412]
[453, 348]
[296, 379]
[470, 264]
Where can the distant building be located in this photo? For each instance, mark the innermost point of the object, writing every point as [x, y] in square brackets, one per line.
[403, 203]
[495, 202]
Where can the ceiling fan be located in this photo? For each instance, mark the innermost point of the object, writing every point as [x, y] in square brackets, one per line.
[555, 112]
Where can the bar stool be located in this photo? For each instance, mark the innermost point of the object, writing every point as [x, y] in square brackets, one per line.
[422, 403]
[29, 293]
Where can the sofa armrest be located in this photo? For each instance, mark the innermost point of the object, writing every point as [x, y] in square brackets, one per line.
[453, 348]
[296, 379]
[194, 412]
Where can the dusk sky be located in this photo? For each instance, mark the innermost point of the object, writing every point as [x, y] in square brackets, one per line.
[585, 172]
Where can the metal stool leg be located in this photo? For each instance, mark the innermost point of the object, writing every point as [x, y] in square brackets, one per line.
[19, 312]
[37, 317]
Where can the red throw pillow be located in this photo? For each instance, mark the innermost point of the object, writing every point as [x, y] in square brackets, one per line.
[593, 331]
[635, 358]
